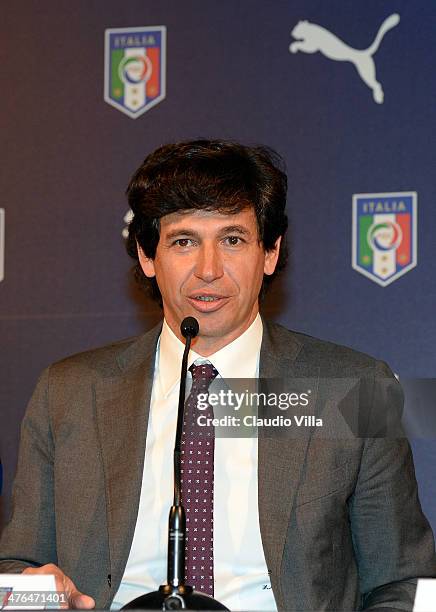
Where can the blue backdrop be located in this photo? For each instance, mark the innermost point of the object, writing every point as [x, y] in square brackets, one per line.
[68, 155]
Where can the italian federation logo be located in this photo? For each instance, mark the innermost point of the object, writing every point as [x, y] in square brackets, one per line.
[384, 235]
[135, 60]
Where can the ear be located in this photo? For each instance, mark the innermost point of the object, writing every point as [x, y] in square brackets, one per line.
[146, 263]
[271, 258]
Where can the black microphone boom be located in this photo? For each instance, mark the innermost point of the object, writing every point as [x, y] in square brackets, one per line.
[176, 595]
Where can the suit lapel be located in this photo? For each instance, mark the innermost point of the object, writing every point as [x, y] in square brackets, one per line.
[122, 407]
[280, 459]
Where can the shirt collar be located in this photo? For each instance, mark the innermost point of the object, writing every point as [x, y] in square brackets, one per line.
[239, 359]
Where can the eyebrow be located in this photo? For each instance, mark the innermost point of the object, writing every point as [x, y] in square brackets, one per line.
[235, 229]
[228, 229]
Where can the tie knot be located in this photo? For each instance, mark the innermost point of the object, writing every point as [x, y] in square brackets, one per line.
[203, 373]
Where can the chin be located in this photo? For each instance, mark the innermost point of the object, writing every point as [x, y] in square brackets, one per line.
[208, 328]
[211, 328]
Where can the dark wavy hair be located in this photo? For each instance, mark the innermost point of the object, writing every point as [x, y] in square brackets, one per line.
[213, 175]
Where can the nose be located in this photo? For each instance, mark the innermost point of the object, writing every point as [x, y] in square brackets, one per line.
[208, 266]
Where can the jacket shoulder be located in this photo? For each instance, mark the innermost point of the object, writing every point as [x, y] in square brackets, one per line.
[329, 356]
[109, 359]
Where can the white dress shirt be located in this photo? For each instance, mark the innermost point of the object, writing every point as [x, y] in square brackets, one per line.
[241, 580]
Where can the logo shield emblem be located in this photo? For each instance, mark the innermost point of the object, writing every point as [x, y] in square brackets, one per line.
[384, 235]
[135, 70]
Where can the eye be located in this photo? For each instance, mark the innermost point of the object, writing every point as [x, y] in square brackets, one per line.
[183, 242]
[233, 240]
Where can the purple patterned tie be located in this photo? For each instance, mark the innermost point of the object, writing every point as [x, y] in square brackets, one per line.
[197, 455]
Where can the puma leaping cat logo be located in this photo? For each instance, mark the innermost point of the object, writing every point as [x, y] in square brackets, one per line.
[311, 38]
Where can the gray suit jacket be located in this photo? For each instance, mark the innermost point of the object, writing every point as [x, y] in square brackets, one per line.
[340, 520]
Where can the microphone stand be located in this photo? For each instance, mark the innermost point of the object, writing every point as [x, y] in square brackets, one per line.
[175, 594]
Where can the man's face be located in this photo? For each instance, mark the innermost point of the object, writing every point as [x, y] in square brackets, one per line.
[210, 266]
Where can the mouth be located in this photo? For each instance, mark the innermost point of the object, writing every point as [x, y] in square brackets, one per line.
[207, 302]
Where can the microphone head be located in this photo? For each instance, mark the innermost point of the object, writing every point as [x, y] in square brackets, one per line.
[189, 327]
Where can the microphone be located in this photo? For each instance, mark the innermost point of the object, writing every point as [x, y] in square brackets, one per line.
[175, 594]
[189, 328]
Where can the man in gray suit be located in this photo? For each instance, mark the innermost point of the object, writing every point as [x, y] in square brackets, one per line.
[335, 521]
